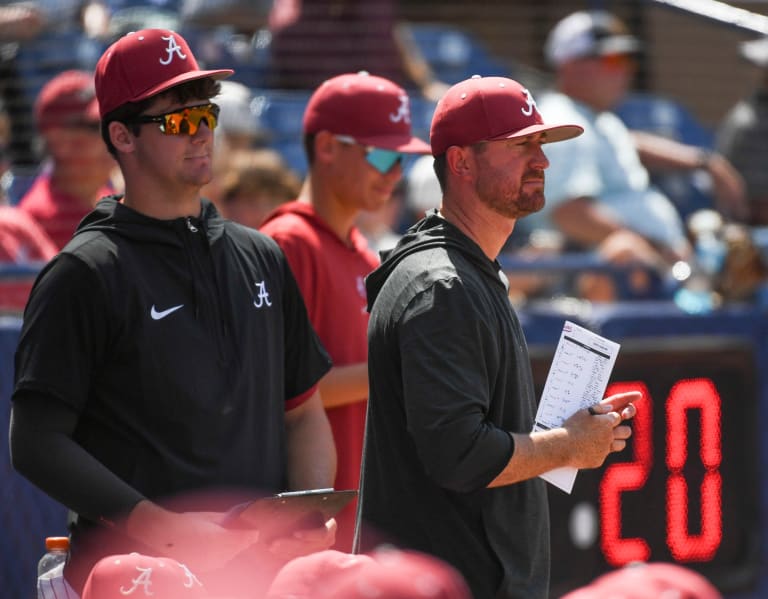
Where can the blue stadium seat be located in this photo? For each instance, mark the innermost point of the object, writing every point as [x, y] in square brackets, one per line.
[421, 116]
[454, 54]
[281, 113]
[667, 117]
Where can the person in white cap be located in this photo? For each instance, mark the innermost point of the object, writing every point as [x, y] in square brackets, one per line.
[599, 194]
[451, 466]
[167, 367]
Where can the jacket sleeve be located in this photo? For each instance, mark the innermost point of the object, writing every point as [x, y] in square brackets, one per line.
[448, 357]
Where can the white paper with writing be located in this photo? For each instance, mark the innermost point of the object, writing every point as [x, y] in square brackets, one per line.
[577, 379]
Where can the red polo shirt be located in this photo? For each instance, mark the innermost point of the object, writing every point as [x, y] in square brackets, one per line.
[331, 274]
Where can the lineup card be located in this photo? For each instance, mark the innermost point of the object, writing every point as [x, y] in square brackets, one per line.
[577, 379]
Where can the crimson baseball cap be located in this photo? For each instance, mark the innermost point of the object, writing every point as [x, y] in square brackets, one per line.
[587, 33]
[136, 575]
[398, 573]
[489, 109]
[69, 99]
[648, 581]
[372, 110]
[304, 576]
[144, 63]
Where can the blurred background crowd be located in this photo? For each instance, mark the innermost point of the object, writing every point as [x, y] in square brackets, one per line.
[696, 76]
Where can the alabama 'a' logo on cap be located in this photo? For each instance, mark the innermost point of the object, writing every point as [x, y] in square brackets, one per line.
[403, 113]
[530, 103]
[172, 50]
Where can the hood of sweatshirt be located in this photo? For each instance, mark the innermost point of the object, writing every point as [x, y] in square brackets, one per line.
[432, 232]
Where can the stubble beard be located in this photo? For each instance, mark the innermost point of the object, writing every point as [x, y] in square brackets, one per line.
[523, 204]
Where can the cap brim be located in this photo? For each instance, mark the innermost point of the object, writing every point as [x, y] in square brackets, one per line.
[398, 143]
[552, 133]
[183, 78]
[620, 44]
[756, 51]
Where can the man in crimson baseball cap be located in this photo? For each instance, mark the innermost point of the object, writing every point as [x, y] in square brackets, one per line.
[144, 63]
[489, 109]
[357, 130]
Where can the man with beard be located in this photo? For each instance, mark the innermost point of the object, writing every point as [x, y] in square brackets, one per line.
[451, 465]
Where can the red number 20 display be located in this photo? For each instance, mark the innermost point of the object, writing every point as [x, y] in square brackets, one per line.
[685, 397]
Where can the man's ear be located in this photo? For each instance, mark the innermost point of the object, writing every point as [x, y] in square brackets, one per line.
[326, 145]
[459, 161]
[121, 137]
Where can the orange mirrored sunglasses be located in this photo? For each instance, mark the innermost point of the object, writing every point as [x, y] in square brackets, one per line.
[184, 121]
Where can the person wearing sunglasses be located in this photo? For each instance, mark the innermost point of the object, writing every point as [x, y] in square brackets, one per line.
[600, 194]
[167, 369]
[357, 131]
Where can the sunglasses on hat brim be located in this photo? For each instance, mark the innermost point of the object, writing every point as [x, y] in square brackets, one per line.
[380, 159]
[184, 121]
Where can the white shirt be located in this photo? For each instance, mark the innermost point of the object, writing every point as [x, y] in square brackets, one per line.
[603, 164]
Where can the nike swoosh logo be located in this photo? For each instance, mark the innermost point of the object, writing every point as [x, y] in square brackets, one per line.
[159, 315]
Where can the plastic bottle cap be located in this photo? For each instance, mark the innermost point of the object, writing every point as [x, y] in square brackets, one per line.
[54, 543]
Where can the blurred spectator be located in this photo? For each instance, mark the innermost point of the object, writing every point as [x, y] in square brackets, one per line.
[742, 136]
[422, 189]
[356, 130]
[648, 581]
[598, 192]
[239, 126]
[386, 574]
[124, 16]
[39, 40]
[22, 240]
[79, 169]
[19, 22]
[137, 575]
[313, 40]
[253, 183]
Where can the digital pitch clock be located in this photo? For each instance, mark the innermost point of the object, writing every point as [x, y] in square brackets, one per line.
[686, 489]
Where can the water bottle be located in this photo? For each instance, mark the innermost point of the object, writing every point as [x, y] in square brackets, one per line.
[699, 293]
[50, 570]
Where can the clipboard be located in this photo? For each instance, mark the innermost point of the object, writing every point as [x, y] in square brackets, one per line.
[284, 513]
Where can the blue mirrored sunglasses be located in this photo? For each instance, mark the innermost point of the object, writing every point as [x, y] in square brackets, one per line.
[380, 159]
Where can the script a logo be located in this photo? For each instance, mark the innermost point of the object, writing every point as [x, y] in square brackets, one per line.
[262, 298]
[172, 50]
[403, 112]
[144, 581]
[531, 103]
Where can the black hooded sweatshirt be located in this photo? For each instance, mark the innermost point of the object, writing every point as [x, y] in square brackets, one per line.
[450, 378]
[178, 345]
